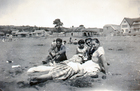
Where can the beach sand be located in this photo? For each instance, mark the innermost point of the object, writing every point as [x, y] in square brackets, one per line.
[122, 53]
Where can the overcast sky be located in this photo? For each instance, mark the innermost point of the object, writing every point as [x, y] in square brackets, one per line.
[90, 13]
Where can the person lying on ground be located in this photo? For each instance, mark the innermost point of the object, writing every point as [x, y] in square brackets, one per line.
[57, 53]
[43, 68]
[69, 69]
[63, 70]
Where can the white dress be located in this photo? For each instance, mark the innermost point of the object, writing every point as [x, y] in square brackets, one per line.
[93, 65]
[81, 51]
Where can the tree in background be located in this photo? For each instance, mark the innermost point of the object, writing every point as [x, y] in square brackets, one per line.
[82, 26]
[79, 28]
[58, 25]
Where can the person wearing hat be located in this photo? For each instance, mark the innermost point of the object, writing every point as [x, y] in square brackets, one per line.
[57, 53]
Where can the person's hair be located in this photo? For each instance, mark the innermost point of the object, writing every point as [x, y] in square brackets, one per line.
[81, 41]
[87, 39]
[96, 40]
[59, 39]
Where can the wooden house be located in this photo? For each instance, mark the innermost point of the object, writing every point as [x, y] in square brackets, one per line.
[129, 25]
[15, 32]
[2, 34]
[22, 34]
[111, 29]
[88, 32]
[39, 33]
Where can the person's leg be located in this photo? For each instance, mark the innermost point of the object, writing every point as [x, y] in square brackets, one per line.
[40, 79]
[93, 74]
[40, 69]
[60, 58]
[101, 63]
[46, 76]
[48, 59]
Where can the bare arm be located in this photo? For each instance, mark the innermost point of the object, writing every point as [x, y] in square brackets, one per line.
[62, 50]
[102, 61]
[76, 51]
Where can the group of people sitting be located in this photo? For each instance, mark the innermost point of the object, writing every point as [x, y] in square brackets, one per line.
[88, 60]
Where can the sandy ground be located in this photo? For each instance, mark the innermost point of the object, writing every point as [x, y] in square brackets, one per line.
[122, 52]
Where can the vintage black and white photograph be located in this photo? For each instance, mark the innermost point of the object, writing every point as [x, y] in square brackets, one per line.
[69, 45]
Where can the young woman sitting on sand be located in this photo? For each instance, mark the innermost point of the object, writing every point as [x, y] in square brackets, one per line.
[82, 49]
[97, 57]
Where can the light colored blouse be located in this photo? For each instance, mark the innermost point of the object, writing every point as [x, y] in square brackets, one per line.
[93, 65]
[81, 51]
[97, 54]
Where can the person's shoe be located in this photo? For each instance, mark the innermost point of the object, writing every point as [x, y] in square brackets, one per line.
[44, 62]
[33, 82]
[22, 84]
[104, 77]
[94, 76]
[103, 71]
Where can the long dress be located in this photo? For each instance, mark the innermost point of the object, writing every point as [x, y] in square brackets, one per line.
[65, 71]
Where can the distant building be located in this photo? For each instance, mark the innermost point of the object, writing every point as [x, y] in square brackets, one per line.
[129, 25]
[74, 31]
[39, 33]
[1, 34]
[14, 32]
[22, 34]
[87, 32]
[111, 29]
